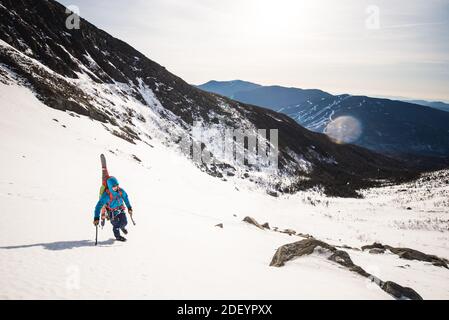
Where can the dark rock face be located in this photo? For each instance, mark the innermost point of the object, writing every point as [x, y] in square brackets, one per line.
[50, 58]
[297, 249]
[409, 254]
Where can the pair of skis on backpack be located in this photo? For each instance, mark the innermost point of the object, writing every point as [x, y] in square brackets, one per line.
[104, 178]
[105, 214]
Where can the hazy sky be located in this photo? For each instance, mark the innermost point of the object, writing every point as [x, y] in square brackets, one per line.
[394, 48]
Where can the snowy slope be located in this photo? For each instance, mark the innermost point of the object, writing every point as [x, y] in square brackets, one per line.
[49, 181]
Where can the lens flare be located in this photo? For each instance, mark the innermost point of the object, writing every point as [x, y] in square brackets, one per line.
[344, 129]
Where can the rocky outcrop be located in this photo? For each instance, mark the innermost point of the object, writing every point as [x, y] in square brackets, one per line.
[266, 225]
[408, 254]
[253, 222]
[297, 249]
[400, 292]
[343, 258]
[290, 232]
[377, 251]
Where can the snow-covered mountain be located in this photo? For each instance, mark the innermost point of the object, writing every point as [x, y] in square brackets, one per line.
[192, 239]
[388, 126]
[90, 73]
[398, 128]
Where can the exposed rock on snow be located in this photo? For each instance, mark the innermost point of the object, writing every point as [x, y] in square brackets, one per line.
[377, 251]
[253, 222]
[273, 193]
[408, 254]
[345, 246]
[400, 292]
[294, 250]
[266, 226]
[297, 249]
[343, 258]
[136, 158]
[290, 232]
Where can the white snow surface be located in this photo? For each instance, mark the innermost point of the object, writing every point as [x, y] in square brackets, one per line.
[49, 181]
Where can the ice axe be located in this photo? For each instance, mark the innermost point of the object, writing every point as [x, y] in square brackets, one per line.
[130, 212]
[96, 234]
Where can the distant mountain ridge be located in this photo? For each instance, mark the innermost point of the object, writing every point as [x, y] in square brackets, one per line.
[228, 88]
[432, 104]
[388, 126]
[274, 96]
[264, 96]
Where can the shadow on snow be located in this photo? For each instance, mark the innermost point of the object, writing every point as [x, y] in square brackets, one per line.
[63, 245]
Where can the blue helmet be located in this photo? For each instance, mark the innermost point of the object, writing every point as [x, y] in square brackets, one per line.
[112, 182]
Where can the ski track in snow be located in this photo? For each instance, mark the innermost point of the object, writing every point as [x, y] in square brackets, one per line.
[49, 181]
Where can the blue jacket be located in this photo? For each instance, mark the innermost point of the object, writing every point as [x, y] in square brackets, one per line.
[117, 200]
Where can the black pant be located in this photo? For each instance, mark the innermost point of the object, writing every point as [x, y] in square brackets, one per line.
[118, 221]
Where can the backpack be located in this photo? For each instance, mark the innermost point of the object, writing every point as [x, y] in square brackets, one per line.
[111, 198]
[104, 188]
